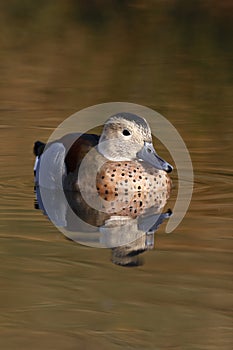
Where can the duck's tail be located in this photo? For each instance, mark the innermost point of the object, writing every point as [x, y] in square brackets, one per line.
[38, 150]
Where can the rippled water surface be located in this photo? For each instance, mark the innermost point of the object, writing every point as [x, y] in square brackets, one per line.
[59, 58]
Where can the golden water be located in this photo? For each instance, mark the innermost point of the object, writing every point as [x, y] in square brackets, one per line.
[57, 58]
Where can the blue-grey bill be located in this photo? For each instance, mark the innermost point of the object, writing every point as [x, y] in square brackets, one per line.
[149, 155]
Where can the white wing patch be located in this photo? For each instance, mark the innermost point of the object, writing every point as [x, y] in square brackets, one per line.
[52, 168]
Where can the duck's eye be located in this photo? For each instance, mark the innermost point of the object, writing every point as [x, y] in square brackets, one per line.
[126, 132]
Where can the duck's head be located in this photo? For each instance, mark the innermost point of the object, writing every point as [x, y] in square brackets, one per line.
[127, 137]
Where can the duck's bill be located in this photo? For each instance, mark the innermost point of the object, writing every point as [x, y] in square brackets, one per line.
[149, 155]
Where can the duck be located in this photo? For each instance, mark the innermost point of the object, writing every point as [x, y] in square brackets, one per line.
[121, 160]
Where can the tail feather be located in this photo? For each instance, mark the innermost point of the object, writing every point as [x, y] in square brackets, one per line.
[38, 148]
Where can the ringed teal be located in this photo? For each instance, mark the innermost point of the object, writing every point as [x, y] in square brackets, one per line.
[123, 166]
[126, 152]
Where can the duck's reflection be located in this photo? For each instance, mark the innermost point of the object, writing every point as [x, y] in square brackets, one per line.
[126, 231]
[129, 254]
